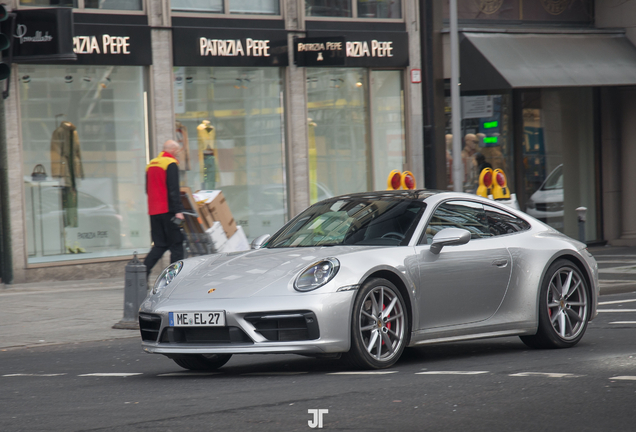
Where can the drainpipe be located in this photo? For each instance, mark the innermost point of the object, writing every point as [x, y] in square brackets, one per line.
[6, 261]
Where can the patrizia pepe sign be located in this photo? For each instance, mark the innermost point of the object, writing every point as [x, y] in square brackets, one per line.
[339, 51]
[205, 46]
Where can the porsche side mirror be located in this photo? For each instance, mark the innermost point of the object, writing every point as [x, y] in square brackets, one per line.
[259, 241]
[449, 237]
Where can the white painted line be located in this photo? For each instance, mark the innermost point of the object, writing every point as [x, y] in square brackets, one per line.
[545, 374]
[451, 373]
[623, 322]
[617, 310]
[616, 302]
[110, 374]
[624, 377]
[174, 374]
[363, 373]
[35, 375]
[272, 373]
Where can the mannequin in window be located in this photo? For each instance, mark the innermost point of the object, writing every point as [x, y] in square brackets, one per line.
[181, 133]
[66, 164]
[207, 155]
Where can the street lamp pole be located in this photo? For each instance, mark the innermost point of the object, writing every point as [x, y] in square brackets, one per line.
[458, 166]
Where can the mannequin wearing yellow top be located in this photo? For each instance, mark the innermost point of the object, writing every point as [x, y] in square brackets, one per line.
[207, 155]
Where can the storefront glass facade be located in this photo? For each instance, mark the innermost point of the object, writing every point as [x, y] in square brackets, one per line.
[558, 157]
[84, 158]
[356, 129]
[344, 8]
[486, 138]
[231, 125]
[135, 5]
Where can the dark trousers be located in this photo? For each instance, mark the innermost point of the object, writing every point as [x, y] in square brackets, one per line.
[165, 235]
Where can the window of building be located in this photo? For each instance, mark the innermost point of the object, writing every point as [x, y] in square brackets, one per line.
[354, 8]
[134, 5]
[353, 144]
[230, 122]
[84, 153]
[255, 7]
[558, 158]
[486, 138]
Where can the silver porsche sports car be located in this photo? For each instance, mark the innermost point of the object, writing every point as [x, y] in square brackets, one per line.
[365, 275]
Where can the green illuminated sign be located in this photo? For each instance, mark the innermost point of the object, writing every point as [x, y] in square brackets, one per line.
[490, 140]
[490, 125]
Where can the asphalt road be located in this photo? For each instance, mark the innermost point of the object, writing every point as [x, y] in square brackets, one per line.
[488, 385]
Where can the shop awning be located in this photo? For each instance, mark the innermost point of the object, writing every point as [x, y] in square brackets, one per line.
[491, 61]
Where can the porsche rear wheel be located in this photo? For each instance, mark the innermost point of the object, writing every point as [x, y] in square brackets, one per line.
[379, 327]
[563, 308]
[202, 362]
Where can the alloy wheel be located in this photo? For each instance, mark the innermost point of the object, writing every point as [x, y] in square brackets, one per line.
[567, 303]
[382, 323]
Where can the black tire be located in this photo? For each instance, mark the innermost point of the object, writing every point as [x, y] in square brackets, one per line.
[202, 362]
[564, 307]
[377, 338]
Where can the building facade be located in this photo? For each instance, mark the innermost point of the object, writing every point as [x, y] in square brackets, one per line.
[547, 93]
[278, 103]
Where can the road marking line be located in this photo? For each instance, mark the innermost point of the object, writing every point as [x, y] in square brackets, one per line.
[623, 322]
[272, 373]
[545, 374]
[110, 374]
[616, 302]
[617, 310]
[363, 373]
[189, 374]
[624, 377]
[36, 375]
[451, 372]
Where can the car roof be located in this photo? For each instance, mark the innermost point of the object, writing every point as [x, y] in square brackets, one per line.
[418, 194]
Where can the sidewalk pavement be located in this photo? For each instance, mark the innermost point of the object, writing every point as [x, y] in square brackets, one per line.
[52, 313]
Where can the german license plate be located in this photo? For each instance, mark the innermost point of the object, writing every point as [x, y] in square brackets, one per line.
[197, 319]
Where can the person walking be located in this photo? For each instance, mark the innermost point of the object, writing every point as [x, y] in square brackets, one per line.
[164, 205]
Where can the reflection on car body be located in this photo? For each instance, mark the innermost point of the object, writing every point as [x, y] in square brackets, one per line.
[362, 276]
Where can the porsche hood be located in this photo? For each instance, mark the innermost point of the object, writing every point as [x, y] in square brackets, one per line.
[263, 272]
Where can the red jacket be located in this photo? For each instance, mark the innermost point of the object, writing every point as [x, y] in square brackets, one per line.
[162, 185]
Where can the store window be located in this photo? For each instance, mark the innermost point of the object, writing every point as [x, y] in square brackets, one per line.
[354, 8]
[353, 144]
[84, 152]
[230, 122]
[486, 138]
[257, 7]
[558, 158]
[135, 5]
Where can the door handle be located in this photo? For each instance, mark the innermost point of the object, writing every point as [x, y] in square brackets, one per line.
[501, 263]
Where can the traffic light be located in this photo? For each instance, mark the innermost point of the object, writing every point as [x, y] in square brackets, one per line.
[500, 189]
[485, 183]
[5, 42]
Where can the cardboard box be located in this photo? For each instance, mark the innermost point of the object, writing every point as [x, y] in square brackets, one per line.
[238, 242]
[217, 236]
[220, 211]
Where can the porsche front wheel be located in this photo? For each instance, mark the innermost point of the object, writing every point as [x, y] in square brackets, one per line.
[202, 362]
[379, 327]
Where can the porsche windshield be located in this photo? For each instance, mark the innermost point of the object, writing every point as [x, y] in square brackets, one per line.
[355, 221]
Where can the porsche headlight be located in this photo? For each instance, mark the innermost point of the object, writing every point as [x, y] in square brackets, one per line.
[317, 274]
[167, 276]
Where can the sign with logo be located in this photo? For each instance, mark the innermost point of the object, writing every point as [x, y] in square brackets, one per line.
[43, 35]
[109, 44]
[354, 49]
[206, 46]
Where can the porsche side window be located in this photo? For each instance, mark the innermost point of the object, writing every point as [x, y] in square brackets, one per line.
[501, 222]
[458, 214]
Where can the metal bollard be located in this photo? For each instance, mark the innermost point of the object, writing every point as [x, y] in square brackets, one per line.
[582, 215]
[135, 292]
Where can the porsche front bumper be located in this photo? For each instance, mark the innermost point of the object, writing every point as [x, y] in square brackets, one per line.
[253, 325]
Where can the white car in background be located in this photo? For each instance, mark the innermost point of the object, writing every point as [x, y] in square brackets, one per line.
[546, 204]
